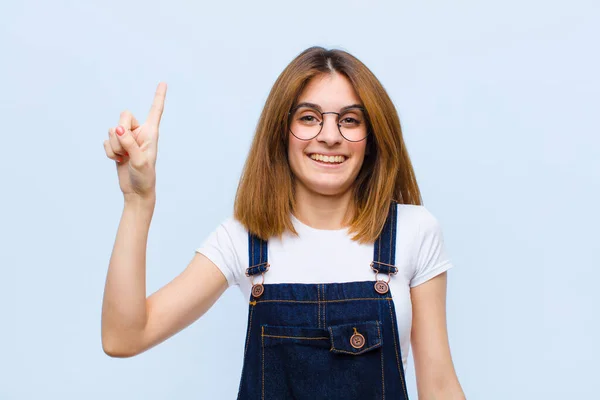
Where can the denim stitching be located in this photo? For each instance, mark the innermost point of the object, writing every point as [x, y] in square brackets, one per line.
[326, 301]
[331, 337]
[246, 349]
[324, 309]
[358, 352]
[263, 361]
[379, 246]
[396, 347]
[391, 228]
[318, 307]
[323, 304]
[382, 375]
[249, 330]
[295, 337]
[320, 302]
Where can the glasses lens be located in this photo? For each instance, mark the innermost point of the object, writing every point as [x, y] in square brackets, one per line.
[305, 122]
[353, 126]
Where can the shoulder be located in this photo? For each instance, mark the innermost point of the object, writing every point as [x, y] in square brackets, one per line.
[421, 236]
[232, 233]
[416, 218]
[226, 247]
[233, 227]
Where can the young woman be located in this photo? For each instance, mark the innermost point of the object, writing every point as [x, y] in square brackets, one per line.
[342, 266]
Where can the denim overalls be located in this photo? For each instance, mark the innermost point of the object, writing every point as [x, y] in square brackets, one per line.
[323, 341]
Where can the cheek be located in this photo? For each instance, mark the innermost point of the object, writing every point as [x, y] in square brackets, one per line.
[295, 154]
[358, 149]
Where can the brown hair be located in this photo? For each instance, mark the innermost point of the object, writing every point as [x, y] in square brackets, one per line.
[265, 194]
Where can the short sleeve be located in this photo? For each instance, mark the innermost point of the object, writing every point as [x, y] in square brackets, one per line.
[432, 259]
[220, 248]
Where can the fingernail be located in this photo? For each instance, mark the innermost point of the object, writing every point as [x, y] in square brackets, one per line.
[119, 159]
[120, 130]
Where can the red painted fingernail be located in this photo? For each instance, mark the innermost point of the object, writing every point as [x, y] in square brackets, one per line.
[119, 159]
[120, 130]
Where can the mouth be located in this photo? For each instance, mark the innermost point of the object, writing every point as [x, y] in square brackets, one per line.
[327, 160]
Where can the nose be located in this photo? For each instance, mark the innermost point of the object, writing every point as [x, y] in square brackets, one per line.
[330, 133]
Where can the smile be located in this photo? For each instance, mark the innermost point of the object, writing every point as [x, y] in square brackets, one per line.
[327, 159]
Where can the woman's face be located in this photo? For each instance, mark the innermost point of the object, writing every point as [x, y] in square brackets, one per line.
[328, 164]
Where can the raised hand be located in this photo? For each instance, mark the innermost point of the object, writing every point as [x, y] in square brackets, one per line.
[134, 148]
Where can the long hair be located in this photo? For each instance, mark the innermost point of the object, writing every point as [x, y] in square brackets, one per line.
[265, 194]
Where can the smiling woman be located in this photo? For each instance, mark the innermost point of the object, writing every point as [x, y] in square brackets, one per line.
[318, 86]
[341, 264]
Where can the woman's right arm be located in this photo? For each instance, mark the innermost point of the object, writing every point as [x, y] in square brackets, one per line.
[132, 323]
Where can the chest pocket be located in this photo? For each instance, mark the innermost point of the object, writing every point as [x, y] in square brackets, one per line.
[342, 361]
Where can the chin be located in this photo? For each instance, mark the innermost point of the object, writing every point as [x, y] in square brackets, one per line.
[325, 188]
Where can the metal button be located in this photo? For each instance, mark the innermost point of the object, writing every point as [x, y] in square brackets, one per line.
[257, 290]
[357, 340]
[381, 287]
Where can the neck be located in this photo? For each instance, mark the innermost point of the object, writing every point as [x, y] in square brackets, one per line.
[322, 211]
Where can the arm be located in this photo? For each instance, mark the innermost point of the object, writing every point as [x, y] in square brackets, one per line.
[436, 377]
[132, 323]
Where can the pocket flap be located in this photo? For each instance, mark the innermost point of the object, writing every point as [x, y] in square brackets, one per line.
[356, 338]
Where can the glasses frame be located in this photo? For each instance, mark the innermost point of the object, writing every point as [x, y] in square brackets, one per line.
[323, 123]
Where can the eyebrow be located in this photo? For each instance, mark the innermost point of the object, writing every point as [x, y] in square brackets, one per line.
[318, 107]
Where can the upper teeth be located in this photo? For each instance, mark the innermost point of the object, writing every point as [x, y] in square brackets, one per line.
[330, 159]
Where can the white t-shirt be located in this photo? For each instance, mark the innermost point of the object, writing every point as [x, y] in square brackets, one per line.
[326, 256]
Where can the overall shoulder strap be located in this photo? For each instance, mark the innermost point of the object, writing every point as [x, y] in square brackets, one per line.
[384, 251]
[257, 255]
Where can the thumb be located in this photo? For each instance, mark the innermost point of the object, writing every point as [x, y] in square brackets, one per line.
[127, 141]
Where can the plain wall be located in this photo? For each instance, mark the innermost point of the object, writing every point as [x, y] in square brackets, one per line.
[499, 104]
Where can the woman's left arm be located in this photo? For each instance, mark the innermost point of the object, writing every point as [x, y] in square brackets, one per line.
[436, 377]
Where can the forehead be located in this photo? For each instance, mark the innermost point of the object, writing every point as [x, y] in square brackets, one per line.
[330, 92]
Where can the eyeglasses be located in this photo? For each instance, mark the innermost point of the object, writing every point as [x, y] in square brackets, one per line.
[306, 122]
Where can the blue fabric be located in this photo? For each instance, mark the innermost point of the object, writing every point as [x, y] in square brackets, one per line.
[298, 343]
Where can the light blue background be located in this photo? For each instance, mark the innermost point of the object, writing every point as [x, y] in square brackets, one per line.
[499, 102]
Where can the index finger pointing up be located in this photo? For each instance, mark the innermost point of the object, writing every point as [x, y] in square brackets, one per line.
[158, 104]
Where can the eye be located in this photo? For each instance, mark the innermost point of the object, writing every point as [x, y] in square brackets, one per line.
[350, 122]
[307, 117]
